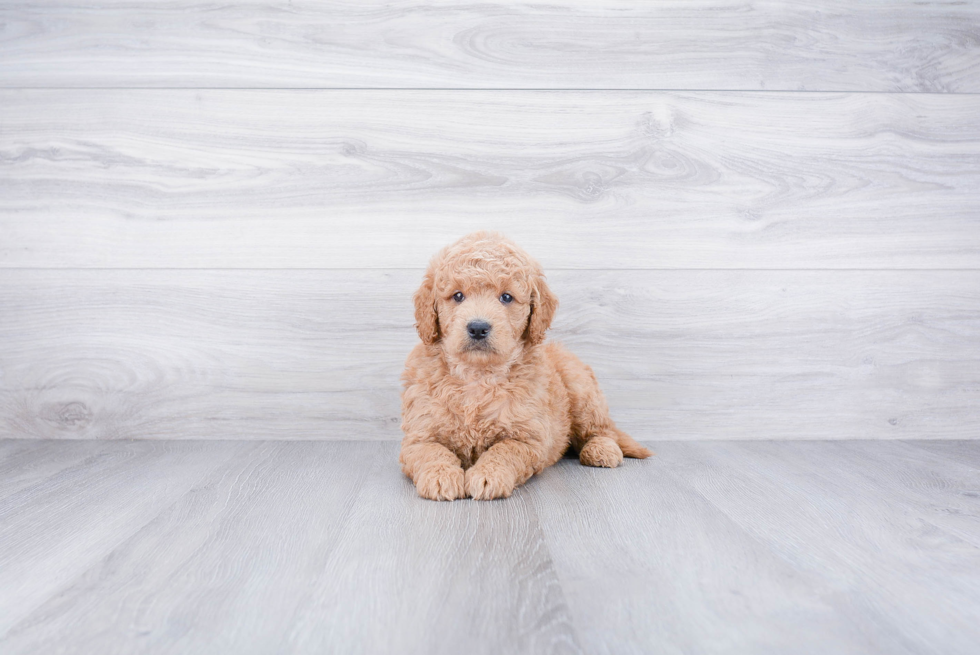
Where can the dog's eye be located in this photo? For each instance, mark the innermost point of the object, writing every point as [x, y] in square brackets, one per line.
[458, 296]
[506, 298]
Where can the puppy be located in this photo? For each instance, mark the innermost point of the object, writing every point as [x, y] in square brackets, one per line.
[486, 403]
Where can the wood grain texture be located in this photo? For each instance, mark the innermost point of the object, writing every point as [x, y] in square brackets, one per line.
[681, 44]
[312, 547]
[649, 565]
[961, 452]
[23, 462]
[835, 511]
[62, 524]
[417, 576]
[317, 354]
[945, 493]
[226, 567]
[584, 180]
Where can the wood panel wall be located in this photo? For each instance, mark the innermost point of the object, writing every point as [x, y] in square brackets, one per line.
[762, 219]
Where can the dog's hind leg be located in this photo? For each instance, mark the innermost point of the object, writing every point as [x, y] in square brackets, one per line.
[606, 447]
[594, 434]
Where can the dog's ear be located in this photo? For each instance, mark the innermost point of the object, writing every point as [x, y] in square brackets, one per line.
[426, 318]
[543, 306]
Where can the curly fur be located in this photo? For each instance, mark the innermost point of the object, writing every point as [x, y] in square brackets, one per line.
[480, 418]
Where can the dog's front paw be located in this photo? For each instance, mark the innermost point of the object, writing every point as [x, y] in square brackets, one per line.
[489, 482]
[440, 482]
[601, 451]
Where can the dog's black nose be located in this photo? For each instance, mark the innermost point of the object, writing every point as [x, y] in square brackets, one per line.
[478, 329]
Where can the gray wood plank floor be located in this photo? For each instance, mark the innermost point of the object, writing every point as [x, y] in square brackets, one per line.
[871, 45]
[323, 547]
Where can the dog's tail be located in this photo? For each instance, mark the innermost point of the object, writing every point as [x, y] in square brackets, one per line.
[629, 446]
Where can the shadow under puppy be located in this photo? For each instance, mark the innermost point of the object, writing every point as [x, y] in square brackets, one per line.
[487, 404]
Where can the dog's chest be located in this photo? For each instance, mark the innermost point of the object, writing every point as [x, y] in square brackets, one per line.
[480, 415]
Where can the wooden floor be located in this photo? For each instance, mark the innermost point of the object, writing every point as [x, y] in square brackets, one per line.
[319, 547]
[760, 218]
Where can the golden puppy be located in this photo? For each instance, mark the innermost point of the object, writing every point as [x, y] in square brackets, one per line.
[486, 403]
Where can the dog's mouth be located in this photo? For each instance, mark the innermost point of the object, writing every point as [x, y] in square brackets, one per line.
[477, 346]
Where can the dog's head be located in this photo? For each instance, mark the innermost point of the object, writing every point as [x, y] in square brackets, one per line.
[483, 299]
